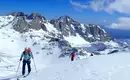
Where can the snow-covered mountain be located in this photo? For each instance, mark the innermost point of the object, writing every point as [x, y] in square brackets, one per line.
[49, 40]
[36, 29]
[65, 25]
[89, 32]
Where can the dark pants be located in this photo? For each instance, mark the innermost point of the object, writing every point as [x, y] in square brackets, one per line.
[24, 65]
[72, 58]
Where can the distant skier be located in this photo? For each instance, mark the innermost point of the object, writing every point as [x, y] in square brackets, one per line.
[92, 54]
[26, 55]
[73, 54]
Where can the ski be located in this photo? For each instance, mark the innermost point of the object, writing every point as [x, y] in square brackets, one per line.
[22, 76]
[25, 76]
[18, 78]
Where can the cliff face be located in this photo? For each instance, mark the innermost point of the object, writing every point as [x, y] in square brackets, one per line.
[69, 27]
[65, 25]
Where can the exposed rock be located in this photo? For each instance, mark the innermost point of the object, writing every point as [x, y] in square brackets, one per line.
[64, 24]
[22, 23]
[69, 27]
[17, 14]
[36, 15]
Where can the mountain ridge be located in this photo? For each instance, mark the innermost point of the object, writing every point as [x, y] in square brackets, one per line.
[64, 24]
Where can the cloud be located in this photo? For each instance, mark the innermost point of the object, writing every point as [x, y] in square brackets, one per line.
[122, 23]
[78, 4]
[121, 6]
[110, 6]
[78, 9]
[104, 21]
[96, 5]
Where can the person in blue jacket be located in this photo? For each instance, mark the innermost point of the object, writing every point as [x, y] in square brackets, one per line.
[26, 55]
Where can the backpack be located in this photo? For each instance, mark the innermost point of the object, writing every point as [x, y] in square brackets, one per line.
[73, 54]
[27, 52]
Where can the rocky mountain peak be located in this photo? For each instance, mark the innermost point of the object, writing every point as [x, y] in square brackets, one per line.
[17, 14]
[65, 19]
[70, 27]
[35, 15]
[23, 22]
[66, 25]
[31, 16]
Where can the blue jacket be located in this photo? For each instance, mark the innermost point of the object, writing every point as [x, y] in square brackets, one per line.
[26, 56]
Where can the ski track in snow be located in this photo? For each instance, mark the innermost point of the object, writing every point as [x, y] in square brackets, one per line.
[104, 67]
[86, 69]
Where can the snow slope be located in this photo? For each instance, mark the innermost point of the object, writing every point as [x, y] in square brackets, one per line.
[4, 20]
[105, 67]
[76, 40]
[46, 54]
[13, 45]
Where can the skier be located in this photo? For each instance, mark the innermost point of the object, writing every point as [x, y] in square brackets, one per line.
[73, 54]
[26, 55]
[92, 54]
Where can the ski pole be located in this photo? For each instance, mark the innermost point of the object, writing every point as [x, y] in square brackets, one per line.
[35, 65]
[18, 67]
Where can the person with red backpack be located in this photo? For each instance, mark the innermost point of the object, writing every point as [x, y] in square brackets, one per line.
[73, 54]
[26, 55]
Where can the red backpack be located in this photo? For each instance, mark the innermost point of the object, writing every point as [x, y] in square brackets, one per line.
[29, 50]
[73, 54]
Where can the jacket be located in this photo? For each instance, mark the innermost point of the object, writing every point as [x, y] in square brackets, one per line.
[26, 56]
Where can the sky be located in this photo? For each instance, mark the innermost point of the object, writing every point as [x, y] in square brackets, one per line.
[113, 14]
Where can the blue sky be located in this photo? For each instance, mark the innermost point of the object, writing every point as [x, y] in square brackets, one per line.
[110, 13]
[55, 8]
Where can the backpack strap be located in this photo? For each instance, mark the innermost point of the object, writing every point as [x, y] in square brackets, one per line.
[23, 52]
[29, 53]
